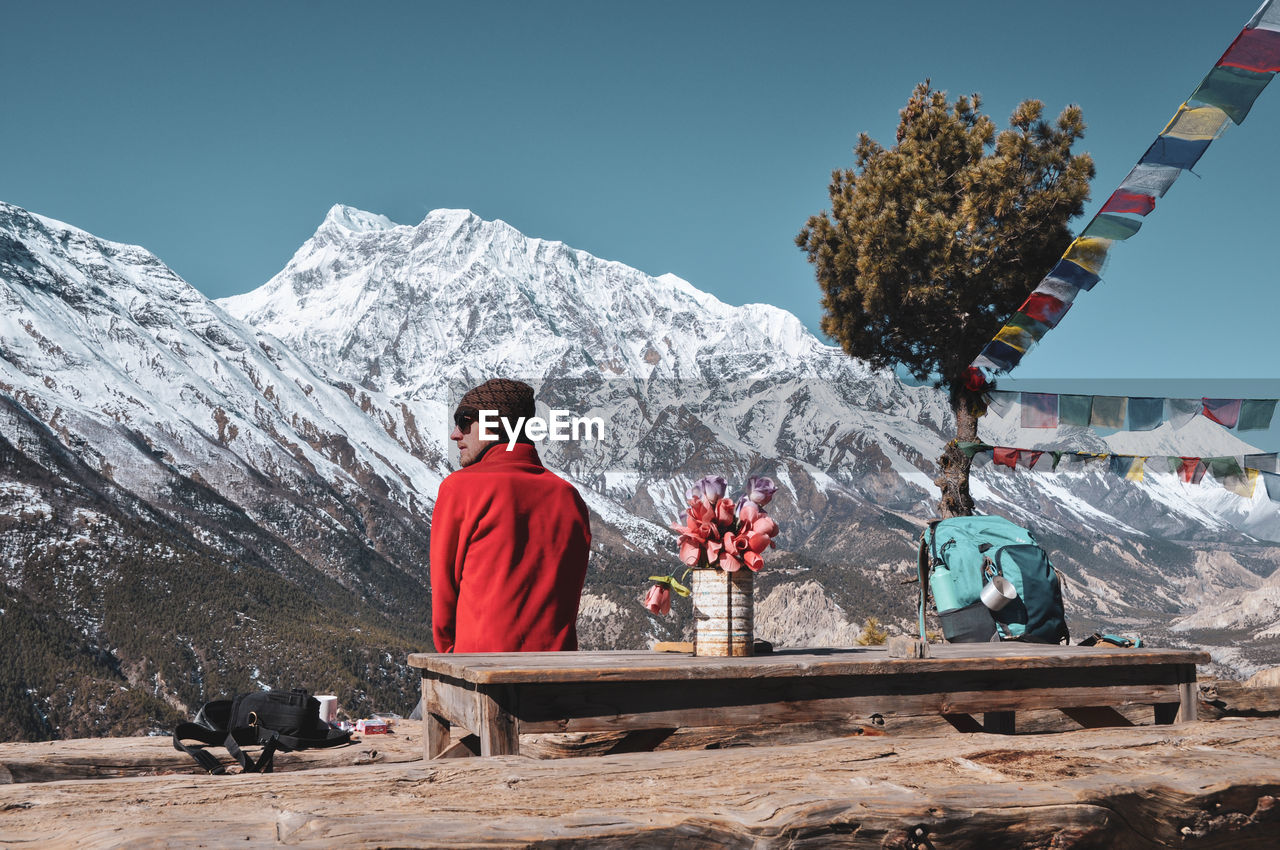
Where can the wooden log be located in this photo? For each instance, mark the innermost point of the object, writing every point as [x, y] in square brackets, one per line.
[1207, 785]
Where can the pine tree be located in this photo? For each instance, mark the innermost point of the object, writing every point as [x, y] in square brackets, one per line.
[931, 244]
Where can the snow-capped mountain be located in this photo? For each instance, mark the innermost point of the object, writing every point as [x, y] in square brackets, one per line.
[139, 401]
[212, 496]
[691, 385]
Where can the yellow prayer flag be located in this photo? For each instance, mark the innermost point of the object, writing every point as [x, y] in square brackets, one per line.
[1015, 338]
[1135, 472]
[1089, 252]
[1242, 485]
[1196, 123]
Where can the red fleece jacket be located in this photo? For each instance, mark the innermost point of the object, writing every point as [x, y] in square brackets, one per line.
[509, 545]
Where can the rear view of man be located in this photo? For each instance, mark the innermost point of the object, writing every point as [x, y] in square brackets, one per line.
[509, 538]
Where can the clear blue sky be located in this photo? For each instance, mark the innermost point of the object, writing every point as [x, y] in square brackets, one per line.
[692, 138]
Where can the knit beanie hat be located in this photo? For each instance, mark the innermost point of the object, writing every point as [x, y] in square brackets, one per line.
[512, 399]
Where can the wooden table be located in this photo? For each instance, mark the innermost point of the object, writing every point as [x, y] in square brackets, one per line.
[497, 696]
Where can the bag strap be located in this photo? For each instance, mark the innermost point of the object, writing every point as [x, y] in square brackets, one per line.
[332, 738]
[207, 738]
[922, 566]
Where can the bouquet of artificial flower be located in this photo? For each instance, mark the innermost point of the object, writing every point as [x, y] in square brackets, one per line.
[718, 534]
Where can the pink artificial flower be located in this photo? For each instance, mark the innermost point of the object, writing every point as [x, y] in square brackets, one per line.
[690, 550]
[757, 542]
[765, 525]
[753, 561]
[748, 511]
[724, 513]
[658, 600]
[731, 558]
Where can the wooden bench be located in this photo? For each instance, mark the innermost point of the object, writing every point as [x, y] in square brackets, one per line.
[497, 696]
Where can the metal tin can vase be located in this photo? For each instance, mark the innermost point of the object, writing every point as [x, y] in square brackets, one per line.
[723, 612]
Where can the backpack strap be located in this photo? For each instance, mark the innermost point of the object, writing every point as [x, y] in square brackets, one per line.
[924, 564]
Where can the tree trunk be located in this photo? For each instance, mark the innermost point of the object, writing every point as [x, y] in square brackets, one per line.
[953, 479]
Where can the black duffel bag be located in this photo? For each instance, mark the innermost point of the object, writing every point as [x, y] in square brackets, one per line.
[276, 720]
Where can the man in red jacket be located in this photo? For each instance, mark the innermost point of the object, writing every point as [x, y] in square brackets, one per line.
[509, 538]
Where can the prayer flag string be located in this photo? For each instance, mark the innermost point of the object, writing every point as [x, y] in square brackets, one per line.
[1238, 474]
[1049, 410]
[1227, 93]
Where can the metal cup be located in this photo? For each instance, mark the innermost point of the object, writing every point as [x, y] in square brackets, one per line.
[998, 593]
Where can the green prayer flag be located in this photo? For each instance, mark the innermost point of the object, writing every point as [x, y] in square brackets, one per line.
[1224, 467]
[971, 448]
[1109, 226]
[1035, 328]
[1255, 414]
[1233, 90]
[1074, 409]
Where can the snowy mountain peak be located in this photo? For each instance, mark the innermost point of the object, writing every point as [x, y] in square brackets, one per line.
[458, 295]
[355, 220]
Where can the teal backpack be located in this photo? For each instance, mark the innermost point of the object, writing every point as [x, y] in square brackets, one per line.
[959, 556]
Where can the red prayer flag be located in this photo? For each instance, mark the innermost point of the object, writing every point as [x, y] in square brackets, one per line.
[1224, 411]
[1191, 470]
[1129, 202]
[1254, 50]
[1045, 308]
[1005, 457]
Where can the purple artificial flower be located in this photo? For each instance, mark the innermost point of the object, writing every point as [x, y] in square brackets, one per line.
[712, 488]
[761, 490]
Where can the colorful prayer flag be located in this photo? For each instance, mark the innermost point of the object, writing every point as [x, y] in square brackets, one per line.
[1108, 226]
[1196, 123]
[1001, 401]
[1035, 328]
[1272, 482]
[1145, 414]
[1262, 462]
[1089, 253]
[1224, 411]
[1016, 338]
[1121, 201]
[1233, 90]
[1150, 178]
[1180, 411]
[1254, 50]
[1044, 308]
[1039, 410]
[1192, 469]
[1108, 411]
[998, 356]
[1224, 467]
[1059, 289]
[1243, 484]
[1267, 17]
[1005, 457]
[1074, 274]
[1175, 152]
[1074, 409]
[1255, 414]
[1127, 466]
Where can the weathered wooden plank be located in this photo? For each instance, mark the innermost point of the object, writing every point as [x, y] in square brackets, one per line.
[494, 668]
[631, 708]
[1212, 785]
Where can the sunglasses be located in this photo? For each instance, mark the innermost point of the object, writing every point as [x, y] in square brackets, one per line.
[464, 419]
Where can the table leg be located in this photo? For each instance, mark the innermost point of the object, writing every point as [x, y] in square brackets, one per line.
[435, 728]
[499, 730]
